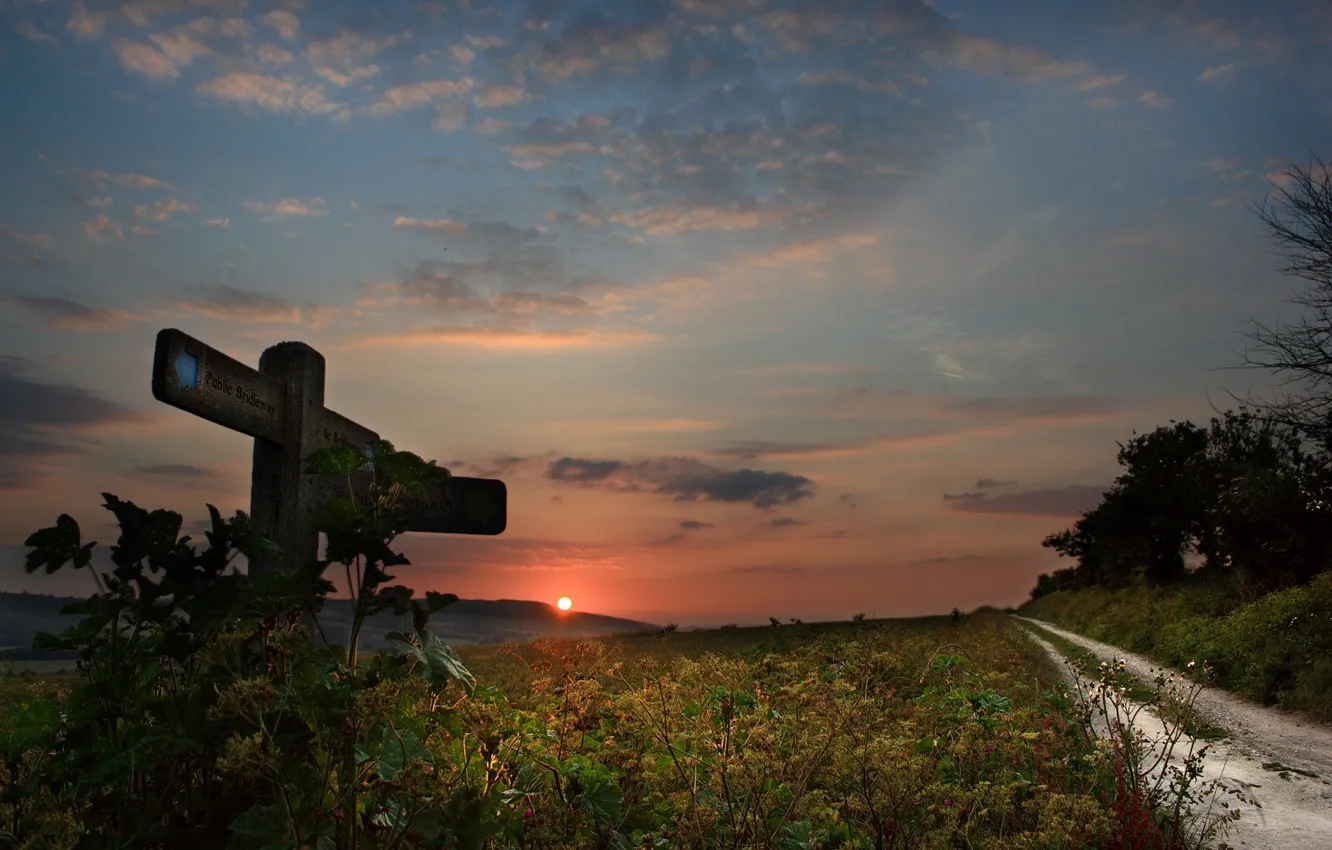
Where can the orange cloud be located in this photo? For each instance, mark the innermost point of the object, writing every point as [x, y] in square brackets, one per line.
[61, 314]
[414, 95]
[441, 225]
[494, 97]
[144, 59]
[98, 227]
[670, 221]
[162, 210]
[270, 93]
[228, 303]
[285, 23]
[505, 339]
[286, 207]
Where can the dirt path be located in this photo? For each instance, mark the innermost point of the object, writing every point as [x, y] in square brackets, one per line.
[1295, 809]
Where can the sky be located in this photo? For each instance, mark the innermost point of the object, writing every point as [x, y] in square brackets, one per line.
[759, 307]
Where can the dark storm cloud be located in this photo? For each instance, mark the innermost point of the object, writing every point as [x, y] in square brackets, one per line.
[30, 409]
[685, 479]
[1051, 502]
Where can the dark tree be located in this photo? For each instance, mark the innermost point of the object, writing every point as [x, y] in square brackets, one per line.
[1298, 215]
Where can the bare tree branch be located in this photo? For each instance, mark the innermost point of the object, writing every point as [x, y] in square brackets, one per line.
[1298, 216]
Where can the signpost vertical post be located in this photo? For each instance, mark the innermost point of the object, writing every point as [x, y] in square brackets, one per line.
[282, 496]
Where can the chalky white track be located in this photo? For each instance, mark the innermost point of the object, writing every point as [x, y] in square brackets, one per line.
[1295, 811]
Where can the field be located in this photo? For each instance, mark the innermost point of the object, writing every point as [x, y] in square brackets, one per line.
[928, 733]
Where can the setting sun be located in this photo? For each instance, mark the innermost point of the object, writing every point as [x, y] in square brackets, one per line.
[565, 603]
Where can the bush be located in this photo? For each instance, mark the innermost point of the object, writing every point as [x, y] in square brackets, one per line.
[1272, 649]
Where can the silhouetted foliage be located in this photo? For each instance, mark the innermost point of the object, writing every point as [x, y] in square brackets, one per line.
[1246, 496]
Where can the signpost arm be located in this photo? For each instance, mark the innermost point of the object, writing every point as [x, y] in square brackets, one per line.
[283, 499]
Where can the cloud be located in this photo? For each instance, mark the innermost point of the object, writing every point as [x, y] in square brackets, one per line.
[97, 228]
[31, 33]
[443, 225]
[992, 483]
[140, 181]
[289, 207]
[504, 338]
[99, 180]
[33, 241]
[1155, 99]
[61, 314]
[344, 59]
[1217, 73]
[593, 42]
[285, 23]
[33, 414]
[995, 58]
[217, 222]
[229, 303]
[144, 59]
[694, 525]
[183, 475]
[490, 127]
[497, 97]
[1051, 502]
[670, 221]
[162, 210]
[1093, 408]
[270, 93]
[849, 78]
[786, 522]
[1101, 81]
[85, 25]
[686, 479]
[415, 95]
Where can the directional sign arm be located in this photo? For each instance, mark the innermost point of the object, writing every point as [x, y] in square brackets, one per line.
[198, 378]
[453, 505]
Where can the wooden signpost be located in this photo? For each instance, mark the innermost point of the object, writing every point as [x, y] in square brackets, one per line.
[281, 405]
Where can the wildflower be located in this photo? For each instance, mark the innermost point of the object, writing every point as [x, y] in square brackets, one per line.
[528, 814]
[1192, 663]
[948, 801]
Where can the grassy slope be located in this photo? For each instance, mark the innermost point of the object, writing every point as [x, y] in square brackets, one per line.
[1276, 650]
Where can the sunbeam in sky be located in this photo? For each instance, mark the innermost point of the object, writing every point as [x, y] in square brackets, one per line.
[758, 307]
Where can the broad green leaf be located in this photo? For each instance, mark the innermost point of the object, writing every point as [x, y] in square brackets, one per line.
[400, 750]
[335, 460]
[260, 828]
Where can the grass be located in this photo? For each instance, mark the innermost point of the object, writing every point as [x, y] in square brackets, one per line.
[42, 667]
[1138, 690]
[1275, 649]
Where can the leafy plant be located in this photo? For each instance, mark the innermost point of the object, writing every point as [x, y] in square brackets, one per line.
[208, 714]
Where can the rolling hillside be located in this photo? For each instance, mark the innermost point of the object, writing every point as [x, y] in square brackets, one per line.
[468, 621]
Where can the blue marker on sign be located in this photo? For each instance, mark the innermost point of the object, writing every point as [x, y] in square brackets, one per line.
[187, 370]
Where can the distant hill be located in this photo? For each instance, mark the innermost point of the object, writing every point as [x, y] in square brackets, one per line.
[467, 621]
